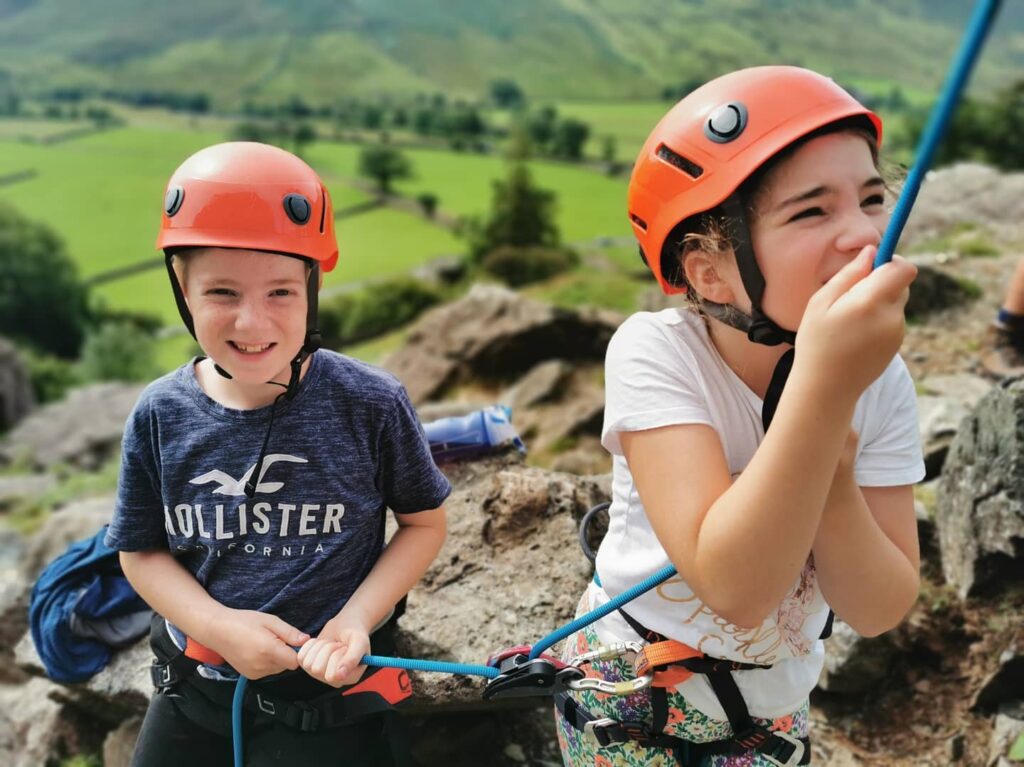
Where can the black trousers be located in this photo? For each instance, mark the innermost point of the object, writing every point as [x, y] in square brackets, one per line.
[189, 724]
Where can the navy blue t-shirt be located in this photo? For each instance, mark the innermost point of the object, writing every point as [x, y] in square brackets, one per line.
[345, 449]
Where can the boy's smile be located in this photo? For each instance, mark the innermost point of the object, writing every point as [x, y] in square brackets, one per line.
[249, 310]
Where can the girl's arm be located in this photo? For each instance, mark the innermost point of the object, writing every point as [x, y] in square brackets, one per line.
[333, 657]
[741, 546]
[866, 552]
[255, 644]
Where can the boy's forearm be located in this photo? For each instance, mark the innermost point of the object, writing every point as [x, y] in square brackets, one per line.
[864, 576]
[402, 563]
[172, 591]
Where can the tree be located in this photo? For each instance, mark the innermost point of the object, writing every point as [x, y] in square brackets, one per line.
[522, 215]
[428, 203]
[569, 137]
[41, 300]
[507, 94]
[250, 131]
[542, 126]
[609, 148]
[384, 164]
[303, 135]
[118, 351]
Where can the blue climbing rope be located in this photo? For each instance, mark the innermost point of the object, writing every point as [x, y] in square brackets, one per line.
[613, 604]
[974, 38]
[409, 664]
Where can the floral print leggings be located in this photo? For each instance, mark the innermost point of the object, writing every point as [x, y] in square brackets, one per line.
[684, 720]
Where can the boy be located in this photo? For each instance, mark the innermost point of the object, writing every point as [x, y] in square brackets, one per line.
[247, 552]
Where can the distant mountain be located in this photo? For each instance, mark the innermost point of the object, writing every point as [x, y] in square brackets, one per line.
[555, 49]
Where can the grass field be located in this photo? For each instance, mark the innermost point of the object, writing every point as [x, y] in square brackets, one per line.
[101, 193]
[627, 122]
[589, 204]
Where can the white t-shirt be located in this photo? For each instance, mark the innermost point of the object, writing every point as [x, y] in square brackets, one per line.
[662, 369]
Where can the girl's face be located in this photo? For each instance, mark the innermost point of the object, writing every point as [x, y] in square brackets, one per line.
[249, 310]
[817, 210]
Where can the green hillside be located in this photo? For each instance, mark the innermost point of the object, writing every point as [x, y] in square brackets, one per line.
[235, 50]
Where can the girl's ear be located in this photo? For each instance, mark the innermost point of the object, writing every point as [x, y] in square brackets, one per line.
[703, 273]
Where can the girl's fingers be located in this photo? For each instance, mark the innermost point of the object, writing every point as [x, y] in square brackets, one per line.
[855, 271]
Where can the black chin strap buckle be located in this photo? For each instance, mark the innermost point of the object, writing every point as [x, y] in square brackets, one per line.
[765, 332]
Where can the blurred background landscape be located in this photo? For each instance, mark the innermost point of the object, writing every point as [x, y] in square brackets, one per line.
[478, 154]
[411, 112]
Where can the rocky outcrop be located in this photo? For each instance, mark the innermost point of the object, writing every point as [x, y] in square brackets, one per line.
[494, 334]
[980, 505]
[942, 405]
[967, 193]
[16, 398]
[83, 430]
[933, 290]
[855, 664]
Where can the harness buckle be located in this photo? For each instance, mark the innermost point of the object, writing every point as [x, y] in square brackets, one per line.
[596, 731]
[165, 674]
[604, 732]
[309, 720]
[266, 706]
[609, 652]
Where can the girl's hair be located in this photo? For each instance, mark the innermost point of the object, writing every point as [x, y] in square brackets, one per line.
[708, 231]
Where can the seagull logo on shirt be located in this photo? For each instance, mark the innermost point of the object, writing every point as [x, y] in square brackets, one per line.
[231, 486]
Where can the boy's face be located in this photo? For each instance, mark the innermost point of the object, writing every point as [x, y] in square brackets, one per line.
[249, 309]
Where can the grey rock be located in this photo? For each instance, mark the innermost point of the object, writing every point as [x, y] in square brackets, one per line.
[433, 411]
[544, 382]
[507, 524]
[16, 397]
[120, 743]
[934, 289]
[854, 664]
[83, 430]
[1004, 685]
[70, 523]
[494, 334]
[949, 400]
[1008, 727]
[980, 504]
[968, 193]
[20, 486]
[29, 723]
[120, 690]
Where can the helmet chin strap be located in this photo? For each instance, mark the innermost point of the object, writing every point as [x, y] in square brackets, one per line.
[758, 326]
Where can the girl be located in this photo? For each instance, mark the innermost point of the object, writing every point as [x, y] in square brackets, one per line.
[759, 197]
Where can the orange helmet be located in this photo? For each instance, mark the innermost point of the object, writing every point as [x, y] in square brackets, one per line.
[714, 139]
[247, 195]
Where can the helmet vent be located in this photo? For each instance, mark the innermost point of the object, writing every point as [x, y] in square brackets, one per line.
[323, 208]
[298, 208]
[638, 221]
[173, 199]
[690, 168]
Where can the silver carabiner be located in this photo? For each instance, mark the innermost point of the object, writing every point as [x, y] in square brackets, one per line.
[610, 652]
